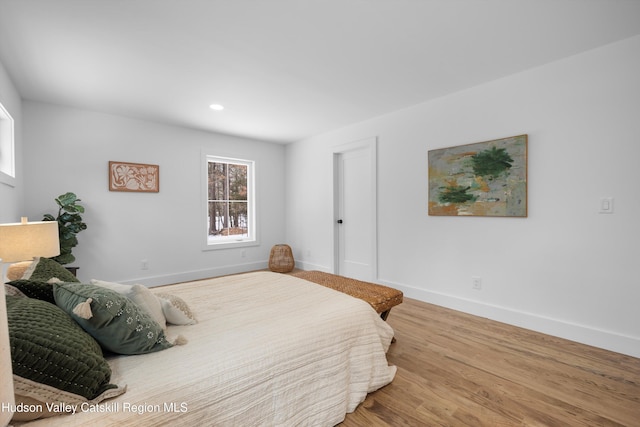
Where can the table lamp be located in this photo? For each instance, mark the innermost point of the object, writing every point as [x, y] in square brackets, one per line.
[20, 241]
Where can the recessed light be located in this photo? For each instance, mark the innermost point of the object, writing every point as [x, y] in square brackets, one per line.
[216, 107]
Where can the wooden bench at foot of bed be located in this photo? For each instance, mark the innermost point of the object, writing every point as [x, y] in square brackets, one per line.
[381, 298]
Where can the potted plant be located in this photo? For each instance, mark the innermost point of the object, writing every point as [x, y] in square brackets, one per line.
[69, 224]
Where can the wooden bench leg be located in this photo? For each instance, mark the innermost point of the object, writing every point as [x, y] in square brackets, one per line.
[384, 316]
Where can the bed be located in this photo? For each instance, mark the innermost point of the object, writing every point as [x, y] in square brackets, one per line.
[267, 349]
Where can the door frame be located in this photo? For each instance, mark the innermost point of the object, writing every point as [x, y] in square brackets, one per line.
[371, 145]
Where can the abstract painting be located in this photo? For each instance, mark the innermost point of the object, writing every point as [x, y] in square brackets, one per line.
[138, 177]
[481, 179]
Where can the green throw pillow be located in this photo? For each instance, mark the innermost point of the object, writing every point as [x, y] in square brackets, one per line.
[45, 269]
[115, 321]
[38, 290]
[49, 348]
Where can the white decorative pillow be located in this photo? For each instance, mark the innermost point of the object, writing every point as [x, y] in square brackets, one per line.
[175, 310]
[118, 287]
[140, 295]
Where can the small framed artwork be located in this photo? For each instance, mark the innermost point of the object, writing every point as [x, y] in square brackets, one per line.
[136, 177]
[481, 179]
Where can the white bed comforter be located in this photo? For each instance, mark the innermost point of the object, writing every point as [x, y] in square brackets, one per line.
[269, 350]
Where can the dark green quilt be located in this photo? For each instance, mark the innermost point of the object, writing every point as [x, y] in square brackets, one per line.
[48, 347]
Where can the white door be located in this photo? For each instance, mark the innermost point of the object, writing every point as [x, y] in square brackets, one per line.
[355, 210]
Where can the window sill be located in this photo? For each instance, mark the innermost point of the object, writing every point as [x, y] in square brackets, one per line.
[230, 245]
[7, 179]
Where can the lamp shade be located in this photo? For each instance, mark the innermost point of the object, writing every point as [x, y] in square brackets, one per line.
[24, 240]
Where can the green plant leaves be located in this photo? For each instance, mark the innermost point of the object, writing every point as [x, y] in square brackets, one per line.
[69, 224]
[68, 202]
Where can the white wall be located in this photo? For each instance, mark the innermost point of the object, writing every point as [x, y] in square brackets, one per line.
[566, 269]
[11, 195]
[68, 149]
[10, 207]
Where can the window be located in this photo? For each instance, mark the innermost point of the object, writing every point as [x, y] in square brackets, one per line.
[230, 202]
[7, 156]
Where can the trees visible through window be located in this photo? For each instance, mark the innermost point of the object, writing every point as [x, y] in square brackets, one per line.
[230, 202]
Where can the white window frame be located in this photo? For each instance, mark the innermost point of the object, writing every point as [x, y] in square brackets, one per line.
[252, 238]
[7, 148]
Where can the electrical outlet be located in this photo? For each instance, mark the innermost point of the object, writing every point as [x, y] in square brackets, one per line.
[606, 205]
[476, 282]
[144, 264]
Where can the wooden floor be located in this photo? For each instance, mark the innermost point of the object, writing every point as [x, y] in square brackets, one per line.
[456, 369]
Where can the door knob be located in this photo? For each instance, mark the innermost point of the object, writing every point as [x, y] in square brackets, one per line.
[339, 221]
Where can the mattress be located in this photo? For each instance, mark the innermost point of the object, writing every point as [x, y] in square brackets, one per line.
[268, 350]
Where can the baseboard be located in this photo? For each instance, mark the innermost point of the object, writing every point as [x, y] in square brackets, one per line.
[575, 332]
[304, 265]
[189, 276]
[608, 340]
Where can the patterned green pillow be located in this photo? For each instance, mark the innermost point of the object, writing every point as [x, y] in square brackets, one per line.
[53, 359]
[33, 289]
[45, 269]
[115, 321]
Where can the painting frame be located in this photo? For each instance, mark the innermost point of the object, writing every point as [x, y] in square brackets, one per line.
[134, 177]
[487, 179]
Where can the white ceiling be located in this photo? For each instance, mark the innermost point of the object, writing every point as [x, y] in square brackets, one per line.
[286, 69]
